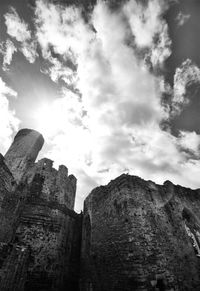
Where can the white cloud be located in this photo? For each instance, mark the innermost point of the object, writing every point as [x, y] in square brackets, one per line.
[114, 126]
[16, 27]
[19, 30]
[57, 71]
[186, 75]
[56, 25]
[182, 18]
[190, 141]
[144, 20]
[7, 49]
[161, 49]
[28, 49]
[8, 120]
[63, 30]
[149, 29]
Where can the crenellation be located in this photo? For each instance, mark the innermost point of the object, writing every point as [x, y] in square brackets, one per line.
[73, 181]
[44, 165]
[56, 185]
[63, 171]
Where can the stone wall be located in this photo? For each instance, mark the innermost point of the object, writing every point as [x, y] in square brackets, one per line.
[46, 225]
[133, 234]
[135, 238]
[9, 202]
[57, 186]
[40, 234]
[14, 262]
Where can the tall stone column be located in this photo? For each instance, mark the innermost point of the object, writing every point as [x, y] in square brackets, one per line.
[23, 152]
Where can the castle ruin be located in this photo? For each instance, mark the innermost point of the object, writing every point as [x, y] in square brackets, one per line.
[133, 234]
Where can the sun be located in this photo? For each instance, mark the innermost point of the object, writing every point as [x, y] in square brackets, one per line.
[58, 125]
[48, 119]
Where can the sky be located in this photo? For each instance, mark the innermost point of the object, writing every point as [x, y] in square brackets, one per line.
[113, 86]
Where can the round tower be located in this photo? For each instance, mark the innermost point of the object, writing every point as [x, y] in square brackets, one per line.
[23, 151]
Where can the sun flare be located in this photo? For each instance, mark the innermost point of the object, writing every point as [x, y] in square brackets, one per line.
[56, 123]
[46, 119]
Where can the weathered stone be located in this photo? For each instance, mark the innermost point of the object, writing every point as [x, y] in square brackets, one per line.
[39, 229]
[46, 226]
[8, 202]
[13, 271]
[56, 186]
[134, 233]
[23, 152]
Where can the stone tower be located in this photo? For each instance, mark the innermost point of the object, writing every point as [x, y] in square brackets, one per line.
[141, 236]
[39, 230]
[23, 152]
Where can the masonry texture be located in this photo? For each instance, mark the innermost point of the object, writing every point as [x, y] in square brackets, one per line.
[40, 234]
[132, 235]
[141, 236]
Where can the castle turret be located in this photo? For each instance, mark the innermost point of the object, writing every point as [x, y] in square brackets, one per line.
[23, 152]
[138, 235]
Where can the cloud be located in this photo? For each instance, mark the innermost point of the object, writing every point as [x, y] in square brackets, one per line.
[182, 18]
[19, 30]
[61, 31]
[113, 125]
[16, 27]
[28, 49]
[149, 29]
[185, 76]
[55, 27]
[190, 141]
[144, 20]
[9, 122]
[7, 49]
[57, 72]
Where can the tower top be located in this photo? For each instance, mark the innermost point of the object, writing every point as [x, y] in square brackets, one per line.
[23, 151]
